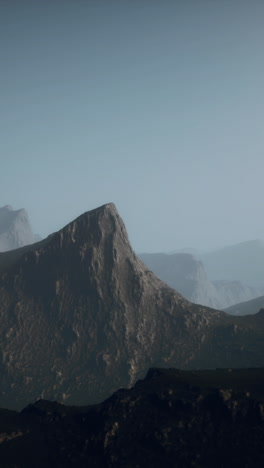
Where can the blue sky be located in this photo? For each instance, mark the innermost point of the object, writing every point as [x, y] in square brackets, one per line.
[155, 106]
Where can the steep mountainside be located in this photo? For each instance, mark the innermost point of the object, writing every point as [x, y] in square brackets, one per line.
[81, 315]
[15, 229]
[243, 262]
[187, 275]
[247, 308]
[171, 418]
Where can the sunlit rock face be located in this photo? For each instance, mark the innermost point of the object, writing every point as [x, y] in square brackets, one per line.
[15, 229]
[81, 315]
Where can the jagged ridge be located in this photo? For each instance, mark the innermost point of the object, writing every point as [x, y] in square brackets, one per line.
[81, 315]
[171, 418]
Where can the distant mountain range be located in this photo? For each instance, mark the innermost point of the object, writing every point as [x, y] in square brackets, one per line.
[81, 316]
[15, 229]
[243, 262]
[187, 274]
[247, 308]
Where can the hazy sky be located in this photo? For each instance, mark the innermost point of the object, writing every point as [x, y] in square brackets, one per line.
[157, 106]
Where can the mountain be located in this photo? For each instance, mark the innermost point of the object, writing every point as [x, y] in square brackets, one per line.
[247, 308]
[15, 229]
[171, 418]
[187, 275]
[81, 315]
[243, 262]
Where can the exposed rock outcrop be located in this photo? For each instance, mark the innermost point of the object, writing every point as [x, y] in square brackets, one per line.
[81, 315]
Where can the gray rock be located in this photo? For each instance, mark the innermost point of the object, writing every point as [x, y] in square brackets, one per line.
[81, 316]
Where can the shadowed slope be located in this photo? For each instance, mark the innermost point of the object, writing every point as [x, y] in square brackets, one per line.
[188, 419]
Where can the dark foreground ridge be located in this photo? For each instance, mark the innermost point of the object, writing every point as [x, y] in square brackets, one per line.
[172, 418]
[81, 316]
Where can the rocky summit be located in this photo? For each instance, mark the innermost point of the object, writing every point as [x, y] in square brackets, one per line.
[81, 316]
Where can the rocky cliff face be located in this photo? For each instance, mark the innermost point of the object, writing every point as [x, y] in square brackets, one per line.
[187, 275]
[15, 229]
[81, 315]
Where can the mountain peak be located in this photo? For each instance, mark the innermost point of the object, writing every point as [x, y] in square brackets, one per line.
[15, 229]
[87, 317]
[6, 208]
[93, 227]
[103, 208]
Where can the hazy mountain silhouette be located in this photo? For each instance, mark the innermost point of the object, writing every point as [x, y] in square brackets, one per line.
[243, 262]
[186, 274]
[81, 315]
[15, 229]
[247, 308]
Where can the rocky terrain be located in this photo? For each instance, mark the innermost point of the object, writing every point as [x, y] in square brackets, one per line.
[172, 418]
[81, 316]
[15, 229]
[187, 274]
